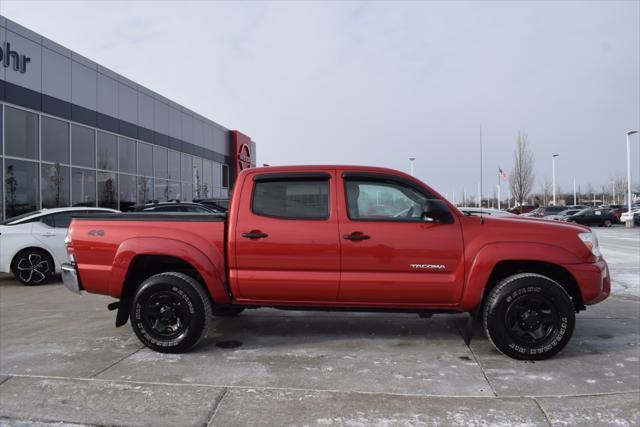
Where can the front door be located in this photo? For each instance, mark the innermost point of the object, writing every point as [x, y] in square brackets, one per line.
[390, 254]
[286, 239]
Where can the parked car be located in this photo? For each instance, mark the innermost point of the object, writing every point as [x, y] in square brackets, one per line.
[591, 216]
[543, 211]
[560, 215]
[518, 210]
[32, 244]
[221, 205]
[486, 211]
[176, 207]
[339, 238]
[635, 214]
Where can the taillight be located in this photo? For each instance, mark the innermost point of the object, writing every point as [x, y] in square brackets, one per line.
[69, 246]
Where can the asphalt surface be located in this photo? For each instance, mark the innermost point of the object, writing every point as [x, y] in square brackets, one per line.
[63, 361]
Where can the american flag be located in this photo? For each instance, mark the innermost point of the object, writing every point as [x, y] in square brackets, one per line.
[502, 174]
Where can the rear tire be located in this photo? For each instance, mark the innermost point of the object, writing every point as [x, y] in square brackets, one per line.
[529, 317]
[170, 312]
[607, 223]
[32, 267]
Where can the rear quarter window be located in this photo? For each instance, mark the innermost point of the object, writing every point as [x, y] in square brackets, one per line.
[291, 199]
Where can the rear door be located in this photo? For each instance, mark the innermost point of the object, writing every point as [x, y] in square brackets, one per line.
[51, 231]
[286, 238]
[389, 253]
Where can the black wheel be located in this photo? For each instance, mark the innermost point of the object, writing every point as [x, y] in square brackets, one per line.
[32, 267]
[529, 316]
[226, 310]
[170, 312]
[607, 223]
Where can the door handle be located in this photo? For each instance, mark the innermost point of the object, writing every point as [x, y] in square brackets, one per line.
[48, 234]
[356, 235]
[255, 234]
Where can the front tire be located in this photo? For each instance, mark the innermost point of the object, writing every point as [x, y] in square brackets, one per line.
[529, 317]
[32, 267]
[170, 312]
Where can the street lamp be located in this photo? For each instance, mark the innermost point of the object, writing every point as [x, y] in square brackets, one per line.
[613, 192]
[553, 168]
[630, 217]
[498, 186]
[411, 159]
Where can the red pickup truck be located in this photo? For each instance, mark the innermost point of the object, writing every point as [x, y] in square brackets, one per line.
[339, 238]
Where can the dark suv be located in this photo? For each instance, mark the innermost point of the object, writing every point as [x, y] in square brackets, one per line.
[590, 216]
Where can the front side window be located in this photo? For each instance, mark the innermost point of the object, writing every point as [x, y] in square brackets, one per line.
[292, 199]
[383, 200]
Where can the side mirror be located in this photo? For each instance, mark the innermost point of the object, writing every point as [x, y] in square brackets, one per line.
[436, 211]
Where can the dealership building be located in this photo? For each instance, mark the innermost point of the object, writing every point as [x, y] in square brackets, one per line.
[74, 133]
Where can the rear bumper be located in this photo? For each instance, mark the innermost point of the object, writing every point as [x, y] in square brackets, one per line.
[70, 278]
[593, 280]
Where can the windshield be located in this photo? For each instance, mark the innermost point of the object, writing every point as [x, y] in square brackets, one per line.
[10, 221]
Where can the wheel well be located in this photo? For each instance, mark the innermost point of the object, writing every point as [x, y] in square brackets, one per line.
[15, 257]
[504, 269]
[141, 268]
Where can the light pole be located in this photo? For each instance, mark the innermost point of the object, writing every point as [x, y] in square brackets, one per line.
[498, 196]
[630, 217]
[553, 169]
[574, 192]
[613, 192]
[411, 159]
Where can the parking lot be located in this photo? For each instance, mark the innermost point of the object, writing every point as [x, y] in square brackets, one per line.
[62, 360]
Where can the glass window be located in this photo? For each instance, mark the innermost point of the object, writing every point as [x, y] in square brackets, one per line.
[21, 187]
[127, 155]
[127, 191]
[59, 220]
[145, 159]
[197, 178]
[186, 168]
[174, 191]
[187, 192]
[107, 151]
[83, 146]
[174, 165]
[145, 190]
[83, 183]
[225, 176]
[21, 133]
[161, 190]
[160, 162]
[292, 199]
[383, 200]
[207, 179]
[55, 140]
[55, 185]
[107, 190]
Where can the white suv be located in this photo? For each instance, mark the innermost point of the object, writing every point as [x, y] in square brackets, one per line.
[32, 244]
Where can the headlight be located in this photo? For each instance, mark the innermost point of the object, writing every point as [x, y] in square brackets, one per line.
[590, 240]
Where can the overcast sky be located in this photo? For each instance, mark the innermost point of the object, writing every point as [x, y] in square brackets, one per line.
[377, 83]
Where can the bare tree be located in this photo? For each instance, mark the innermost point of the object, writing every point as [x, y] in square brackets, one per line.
[521, 179]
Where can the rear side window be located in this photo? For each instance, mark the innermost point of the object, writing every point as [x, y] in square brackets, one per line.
[60, 220]
[292, 199]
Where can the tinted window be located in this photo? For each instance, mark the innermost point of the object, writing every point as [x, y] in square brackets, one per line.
[83, 182]
[187, 168]
[55, 186]
[161, 190]
[160, 162]
[300, 199]
[127, 191]
[61, 220]
[21, 134]
[107, 190]
[225, 176]
[83, 146]
[145, 190]
[47, 220]
[127, 155]
[21, 187]
[174, 165]
[55, 140]
[107, 151]
[196, 209]
[383, 200]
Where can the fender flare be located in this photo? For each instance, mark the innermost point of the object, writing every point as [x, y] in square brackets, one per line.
[485, 260]
[206, 259]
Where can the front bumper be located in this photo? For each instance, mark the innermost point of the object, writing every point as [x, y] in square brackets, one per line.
[593, 280]
[70, 278]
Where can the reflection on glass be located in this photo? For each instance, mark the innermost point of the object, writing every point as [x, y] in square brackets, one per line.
[127, 155]
[145, 159]
[55, 185]
[21, 187]
[174, 165]
[160, 162]
[107, 190]
[83, 146]
[161, 190]
[83, 182]
[186, 168]
[21, 134]
[175, 193]
[145, 190]
[127, 191]
[107, 151]
[55, 140]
